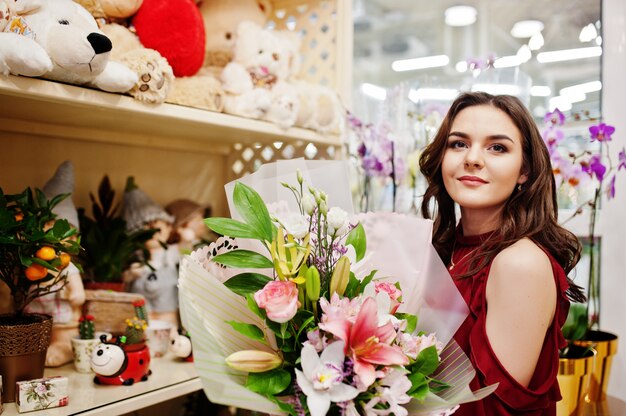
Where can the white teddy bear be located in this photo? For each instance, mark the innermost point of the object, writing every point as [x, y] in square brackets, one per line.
[256, 81]
[60, 40]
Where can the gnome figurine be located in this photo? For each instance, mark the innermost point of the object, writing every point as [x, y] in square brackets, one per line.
[64, 305]
[189, 228]
[157, 281]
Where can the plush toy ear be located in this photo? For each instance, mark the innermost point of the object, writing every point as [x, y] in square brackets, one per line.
[27, 6]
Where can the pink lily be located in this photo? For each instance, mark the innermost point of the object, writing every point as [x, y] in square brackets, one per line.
[367, 343]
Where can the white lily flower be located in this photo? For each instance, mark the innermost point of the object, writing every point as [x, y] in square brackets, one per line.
[321, 378]
[308, 204]
[337, 219]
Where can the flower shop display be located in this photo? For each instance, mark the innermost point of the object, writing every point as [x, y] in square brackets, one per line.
[32, 257]
[594, 168]
[42, 393]
[316, 321]
[83, 346]
[125, 359]
[109, 248]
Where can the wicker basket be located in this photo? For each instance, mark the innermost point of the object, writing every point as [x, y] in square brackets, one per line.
[110, 309]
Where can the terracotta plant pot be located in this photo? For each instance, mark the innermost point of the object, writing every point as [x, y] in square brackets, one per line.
[605, 345]
[114, 286]
[24, 341]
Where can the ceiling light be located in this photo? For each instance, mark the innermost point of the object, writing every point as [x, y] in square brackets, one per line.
[374, 91]
[535, 42]
[507, 61]
[588, 33]
[420, 63]
[599, 40]
[569, 54]
[524, 54]
[562, 103]
[460, 15]
[438, 94]
[526, 28]
[540, 91]
[584, 88]
[461, 66]
[498, 89]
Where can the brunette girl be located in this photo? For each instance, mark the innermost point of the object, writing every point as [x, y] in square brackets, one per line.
[507, 253]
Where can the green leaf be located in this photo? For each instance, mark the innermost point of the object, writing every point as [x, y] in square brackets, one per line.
[427, 361]
[244, 259]
[356, 238]
[419, 386]
[575, 326]
[437, 386]
[254, 307]
[269, 383]
[245, 283]
[366, 281]
[253, 210]
[249, 330]
[232, 228]
[411, 321]
[353, 285]
[278, 329]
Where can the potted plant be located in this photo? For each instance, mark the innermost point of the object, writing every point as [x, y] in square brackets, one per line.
[109, 247]
[34, 248]
[84, 344]
[597, 170]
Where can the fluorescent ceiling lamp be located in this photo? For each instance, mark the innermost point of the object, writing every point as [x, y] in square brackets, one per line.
[576, 97]
[374, 91]
[540, 91]
[526, 28]
[436, 94]
[588, 33]
[498, 89]
[569, 54]
[560, 102]
[507, 61]
[584, 88]
[460, 15]
[536, 42]
[461, 66]
[420, 63]
[524, 54]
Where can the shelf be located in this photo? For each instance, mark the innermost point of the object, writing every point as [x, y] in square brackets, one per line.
[47, 108]
[170, 378]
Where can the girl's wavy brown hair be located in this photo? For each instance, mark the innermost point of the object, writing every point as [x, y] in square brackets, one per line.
[530, 212]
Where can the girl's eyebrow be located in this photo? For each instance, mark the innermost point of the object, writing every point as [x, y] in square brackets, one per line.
[492, 137]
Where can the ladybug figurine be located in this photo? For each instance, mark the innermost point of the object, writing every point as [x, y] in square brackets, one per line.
[116, 363]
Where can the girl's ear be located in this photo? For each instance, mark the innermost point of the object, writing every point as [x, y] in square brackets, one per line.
[522, 178]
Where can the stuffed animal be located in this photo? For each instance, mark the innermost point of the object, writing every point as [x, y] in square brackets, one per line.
[155, 75]
[256, 81]
[60, 41]
[221, 18]
[319, 109]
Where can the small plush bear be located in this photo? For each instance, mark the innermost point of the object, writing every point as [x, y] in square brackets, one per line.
[60, 40]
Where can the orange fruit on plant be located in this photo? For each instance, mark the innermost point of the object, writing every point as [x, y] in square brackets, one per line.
[46, 253]
[65, 259]
[19, 217]
[35, 272]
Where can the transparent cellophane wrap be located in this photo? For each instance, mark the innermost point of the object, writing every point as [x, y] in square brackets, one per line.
[398, 246]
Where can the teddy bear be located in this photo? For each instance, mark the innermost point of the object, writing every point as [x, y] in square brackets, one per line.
[256, 80]
[155, 75]
[60, 41]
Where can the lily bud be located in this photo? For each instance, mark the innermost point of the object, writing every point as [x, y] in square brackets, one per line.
[313, 284]
[323, 207]
[299, 177]
[341, 276]
[253, 361]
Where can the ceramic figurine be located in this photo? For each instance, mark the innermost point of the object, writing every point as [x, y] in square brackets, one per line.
[118, 364]
[181, 346]
[189, 228]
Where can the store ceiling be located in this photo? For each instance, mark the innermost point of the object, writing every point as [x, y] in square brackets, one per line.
[389, 30]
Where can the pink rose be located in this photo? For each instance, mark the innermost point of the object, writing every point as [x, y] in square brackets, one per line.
[279, 299]
[393, 292]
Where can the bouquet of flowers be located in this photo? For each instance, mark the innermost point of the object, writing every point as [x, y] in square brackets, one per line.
[310, 327]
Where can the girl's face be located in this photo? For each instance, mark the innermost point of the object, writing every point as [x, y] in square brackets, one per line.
[483, 161]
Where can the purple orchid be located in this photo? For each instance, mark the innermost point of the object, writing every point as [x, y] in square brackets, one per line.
[622, 159]
[595, 167]
[555, 117]
[610, 189]
[601, 132]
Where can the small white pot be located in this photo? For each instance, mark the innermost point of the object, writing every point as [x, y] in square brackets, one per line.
[82, 349]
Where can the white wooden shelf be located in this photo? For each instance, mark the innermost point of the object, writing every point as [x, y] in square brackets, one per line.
[46, 108]
[170, 378]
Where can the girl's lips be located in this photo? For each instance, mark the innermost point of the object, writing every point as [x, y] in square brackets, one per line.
[472, 180]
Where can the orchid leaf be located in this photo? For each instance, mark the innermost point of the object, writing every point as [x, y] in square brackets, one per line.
[253, 210]
[244, 259]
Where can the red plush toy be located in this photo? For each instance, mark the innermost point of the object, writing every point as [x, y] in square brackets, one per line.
[176, 30]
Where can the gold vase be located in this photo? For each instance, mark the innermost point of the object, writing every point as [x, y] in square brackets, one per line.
[605, 345]
[573, 377]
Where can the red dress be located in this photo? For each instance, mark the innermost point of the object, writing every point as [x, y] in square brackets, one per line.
[510, 398]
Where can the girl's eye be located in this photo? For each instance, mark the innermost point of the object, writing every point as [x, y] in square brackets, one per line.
[456, 144]
[498, 148]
